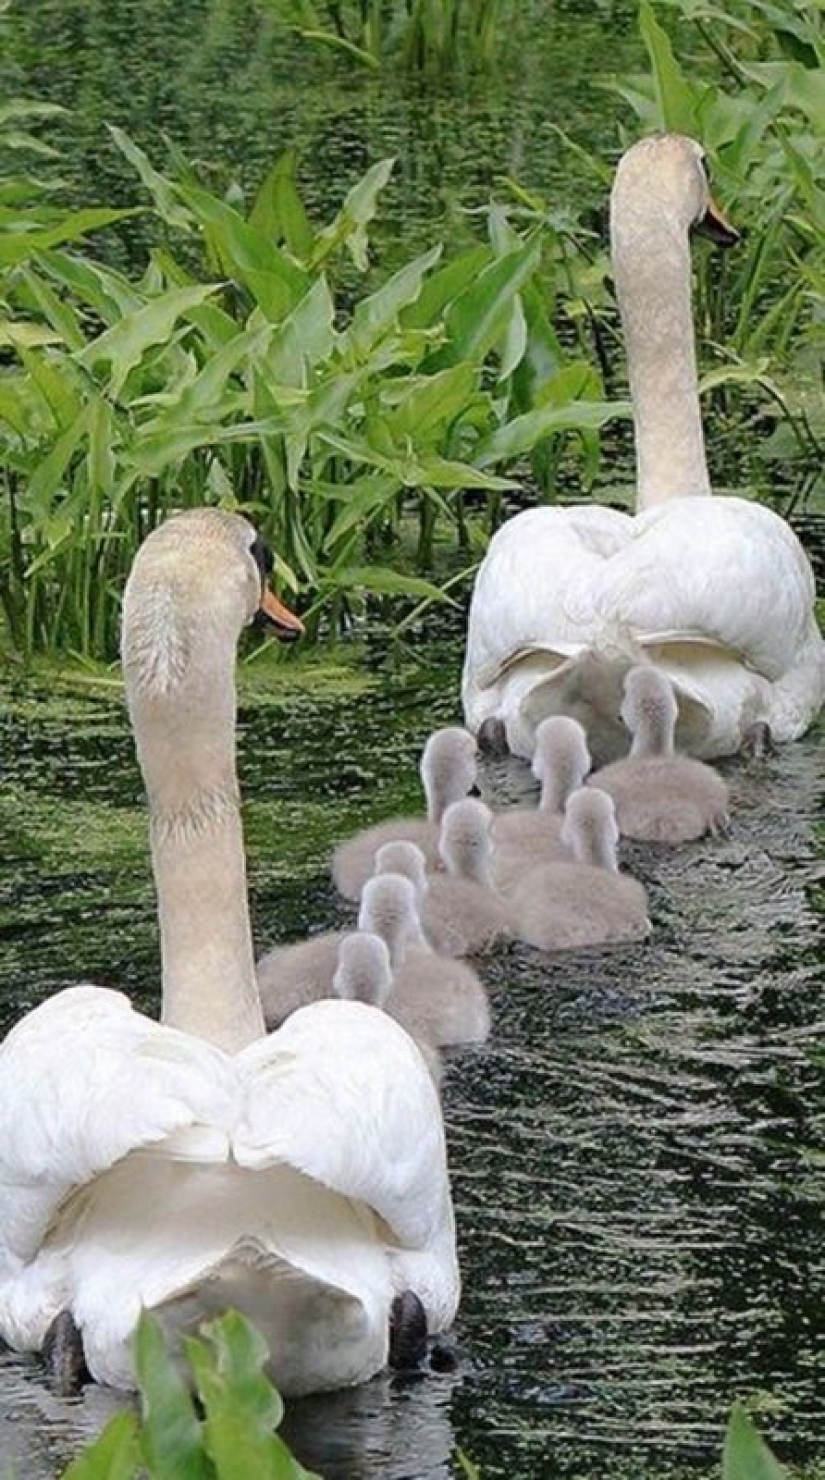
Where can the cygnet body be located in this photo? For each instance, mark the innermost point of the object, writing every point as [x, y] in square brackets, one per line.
[448, 771]
[660, 796]
[527, 837]
[586, 902]
[438, 1000]
[364, 974]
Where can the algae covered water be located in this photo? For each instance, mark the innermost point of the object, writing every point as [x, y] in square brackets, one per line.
[636, 1154]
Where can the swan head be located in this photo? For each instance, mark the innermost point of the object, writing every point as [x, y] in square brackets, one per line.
[448, 769]
[666, 175]
[561, 759]
[650, 710]
[590, 829]
[465, 840]
[389, 908]
[403, 858]
[364, 972]
[199, 578]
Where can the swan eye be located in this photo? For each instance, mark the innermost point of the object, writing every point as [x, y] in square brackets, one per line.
[262, 555]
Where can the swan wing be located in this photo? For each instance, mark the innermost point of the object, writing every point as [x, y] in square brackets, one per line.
[342, 1094]
[720, 570]
[538, 587]
[85, 1079]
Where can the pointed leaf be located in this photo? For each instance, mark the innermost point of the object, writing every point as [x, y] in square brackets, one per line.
[171, 1435]
[278, 211]
[746, 1455]
[127, 341]
[114, 1455]
[375, 314]
[676, 103]
[522, 435]
[349, 226]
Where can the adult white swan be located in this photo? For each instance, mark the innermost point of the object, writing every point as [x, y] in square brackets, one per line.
[716, 591]
[191, 1164]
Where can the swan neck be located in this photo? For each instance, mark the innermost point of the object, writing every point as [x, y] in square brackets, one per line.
[652, 271]
[185, 736]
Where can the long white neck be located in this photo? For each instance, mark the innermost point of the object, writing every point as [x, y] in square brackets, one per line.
[185, 735]
[652, 271]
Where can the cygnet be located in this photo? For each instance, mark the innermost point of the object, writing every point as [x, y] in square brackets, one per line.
[448, 771]
[526, 837]
[438, 1000]
[587, 902]
[364, 974]
[660, 797]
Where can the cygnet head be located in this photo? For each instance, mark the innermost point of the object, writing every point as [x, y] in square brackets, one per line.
[649, 709]
[196, 581]
[448, 769]
[465, 841]
[590, 829]
[403, 858]
[561, 759]
[665, 178]
[364, 973]
[389, 908]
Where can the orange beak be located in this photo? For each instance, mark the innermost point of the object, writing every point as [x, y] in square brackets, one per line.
[714, 226]
[273, 615]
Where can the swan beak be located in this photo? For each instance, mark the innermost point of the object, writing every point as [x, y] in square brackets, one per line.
[277, 618]
[714, 226]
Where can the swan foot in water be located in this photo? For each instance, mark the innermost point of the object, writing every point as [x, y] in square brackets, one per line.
[720, 826]
[63, 1355]
[758, 741]
[492, 738]
[408, 1332]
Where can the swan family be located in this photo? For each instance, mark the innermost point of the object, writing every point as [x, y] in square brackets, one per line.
[276, 1141]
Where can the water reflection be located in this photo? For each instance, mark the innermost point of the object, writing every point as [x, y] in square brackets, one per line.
[636, 1154]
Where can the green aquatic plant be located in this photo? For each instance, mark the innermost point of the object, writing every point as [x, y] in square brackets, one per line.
[431, 36]
[230, 1436]
[245, 368]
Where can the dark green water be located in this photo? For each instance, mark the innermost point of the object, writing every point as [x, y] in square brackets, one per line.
[637, 1154]
[232, 88]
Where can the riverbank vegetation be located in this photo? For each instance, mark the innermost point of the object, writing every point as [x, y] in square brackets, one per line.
[375, 423]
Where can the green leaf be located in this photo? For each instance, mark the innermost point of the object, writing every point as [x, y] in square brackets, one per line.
[349, 226]
[278, 211]
[374, 315]
[522, 434]
[425, 403]
[383, 582]
[161, 190]
[17, 246]
[444, 286]
[171, 1435]
[481, 313]
[126, 342]
[242, 1407]
[746, 1456]
[675, 100]
[114, 1455]
[245, 255]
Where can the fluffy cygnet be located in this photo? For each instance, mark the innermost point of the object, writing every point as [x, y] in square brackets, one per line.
[461, 911]
[364, 974]
[448, 771]
[586, 902]
[438, 1000]
[526, 837]
[660, 796]
[292, 976]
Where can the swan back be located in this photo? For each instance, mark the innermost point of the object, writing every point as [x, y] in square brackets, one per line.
[363, 973]
[561, 760]
[590, 829]
[447, 768]
[649, 709]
